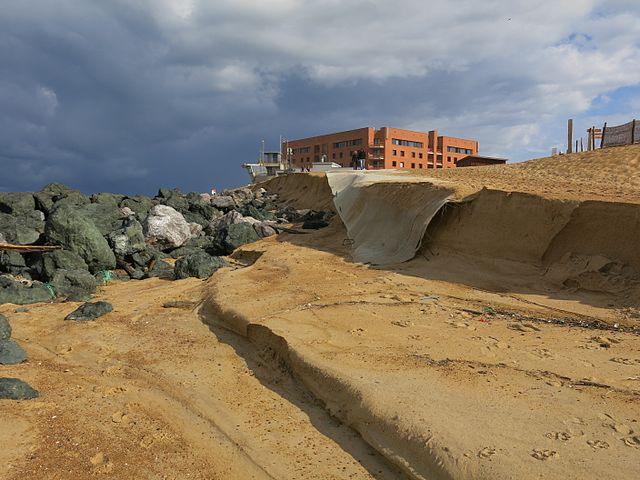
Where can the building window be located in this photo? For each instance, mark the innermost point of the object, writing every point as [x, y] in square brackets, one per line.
[413, 154]
[340, 154]
[466, 151]
[393, 164]
[413, 165]
[420, 156]
[333, 155]
[430, 156]
[395, 152]
[402, 153]
[348, 143]
[407, 143]
[419, 165]
[401, 164]
[448, 159]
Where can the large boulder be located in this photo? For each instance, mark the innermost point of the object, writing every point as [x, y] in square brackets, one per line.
[200, 210]
[236, 235]
[16, 203]
[12, 262]
[129, 239]
[73, 283]
[106, 216]
[207, 243]
[219, 224]
[159, 269]
[54, 192]
[46, 264]
[12, 291]
[22, 229]
[166, 227]
[14, 389]
[198, 264]
[70, 228]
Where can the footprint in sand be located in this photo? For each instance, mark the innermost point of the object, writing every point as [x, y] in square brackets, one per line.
[597, 444]
[626, 361]
[562, 436]
[358, 332]
[542, 353]
[544, 454]
[632, 441]
[402, 323]
[487, 452]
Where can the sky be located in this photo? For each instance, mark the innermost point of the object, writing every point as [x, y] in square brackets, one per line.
[131, 95]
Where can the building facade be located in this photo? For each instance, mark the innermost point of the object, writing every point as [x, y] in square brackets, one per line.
[384, 148]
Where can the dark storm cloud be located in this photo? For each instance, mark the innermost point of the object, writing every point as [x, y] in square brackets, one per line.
[129, 96]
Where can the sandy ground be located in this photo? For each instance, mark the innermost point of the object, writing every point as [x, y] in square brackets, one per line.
[152, 393]
[508, 348]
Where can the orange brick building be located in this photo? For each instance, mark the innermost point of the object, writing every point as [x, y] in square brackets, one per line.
[384, 148]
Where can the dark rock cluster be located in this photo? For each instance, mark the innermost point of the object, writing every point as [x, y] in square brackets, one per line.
[107, 236]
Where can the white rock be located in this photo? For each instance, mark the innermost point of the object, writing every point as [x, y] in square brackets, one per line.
[166, 227]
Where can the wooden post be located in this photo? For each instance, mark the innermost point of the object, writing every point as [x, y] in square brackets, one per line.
[633, 131]
[569, 135]
[604, 132]
[581, 145]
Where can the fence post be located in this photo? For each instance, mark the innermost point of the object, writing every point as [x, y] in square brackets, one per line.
[633, 131]
[604, 131]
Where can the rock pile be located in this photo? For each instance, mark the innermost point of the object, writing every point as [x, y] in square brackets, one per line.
[105, 233]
